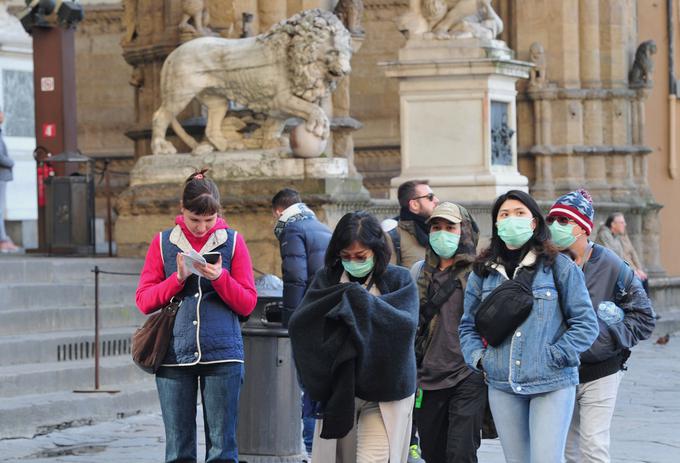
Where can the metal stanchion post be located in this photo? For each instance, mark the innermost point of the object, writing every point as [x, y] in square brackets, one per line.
[96, 272]
[96, 327]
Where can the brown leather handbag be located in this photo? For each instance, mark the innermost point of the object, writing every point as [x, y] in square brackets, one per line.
[150, 343]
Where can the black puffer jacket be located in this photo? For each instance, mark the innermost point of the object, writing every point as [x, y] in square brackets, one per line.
[303, 246]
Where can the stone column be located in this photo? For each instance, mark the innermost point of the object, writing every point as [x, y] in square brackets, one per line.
[342, 123]
[270, 12]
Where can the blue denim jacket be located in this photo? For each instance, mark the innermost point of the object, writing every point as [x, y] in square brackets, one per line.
[542, 354]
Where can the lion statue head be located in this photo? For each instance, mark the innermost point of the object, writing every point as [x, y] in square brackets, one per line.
[319, 49]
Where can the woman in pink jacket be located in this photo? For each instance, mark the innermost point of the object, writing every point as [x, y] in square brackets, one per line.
[206, 349]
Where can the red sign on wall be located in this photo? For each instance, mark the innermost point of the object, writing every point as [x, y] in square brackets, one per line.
[49, 130]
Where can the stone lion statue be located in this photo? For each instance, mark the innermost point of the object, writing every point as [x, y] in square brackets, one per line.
[282, 73]
[640, 74]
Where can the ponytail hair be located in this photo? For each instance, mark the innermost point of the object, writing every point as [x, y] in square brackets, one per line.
[200, 195]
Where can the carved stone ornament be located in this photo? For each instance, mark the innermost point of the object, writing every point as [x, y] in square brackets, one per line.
[129, 21]
[538, 75]
[195, 19]
[282, 73]
[451, 19]
[350, 13]
[501, 135]
[640, 74]
[247, 25]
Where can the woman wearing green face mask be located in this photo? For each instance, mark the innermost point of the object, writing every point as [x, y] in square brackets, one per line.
[451, 410]
[532, 374]
[352, 338]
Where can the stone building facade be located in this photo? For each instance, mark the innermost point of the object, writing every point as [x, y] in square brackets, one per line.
[583, 125]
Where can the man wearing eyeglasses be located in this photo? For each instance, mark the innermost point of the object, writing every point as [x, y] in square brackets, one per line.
[625, 316]
[408, 234]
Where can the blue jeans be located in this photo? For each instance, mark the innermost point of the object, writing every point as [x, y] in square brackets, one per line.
[220, 384]
[308, 421]
[533, 428]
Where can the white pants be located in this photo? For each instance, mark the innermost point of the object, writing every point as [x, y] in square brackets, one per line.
[380, 435]
[588, 439]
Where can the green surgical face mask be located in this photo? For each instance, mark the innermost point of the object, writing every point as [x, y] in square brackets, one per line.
[358, 269]
[515, 231]
[444, 243]
[562, 235]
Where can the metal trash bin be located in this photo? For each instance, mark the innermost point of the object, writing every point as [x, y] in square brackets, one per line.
[269, 426]
[69, 210]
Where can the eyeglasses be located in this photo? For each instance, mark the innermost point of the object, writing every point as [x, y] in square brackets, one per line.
[429, 196]
[559, 219]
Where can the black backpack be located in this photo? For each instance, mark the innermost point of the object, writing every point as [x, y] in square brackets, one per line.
[396, 242]
[506, 307]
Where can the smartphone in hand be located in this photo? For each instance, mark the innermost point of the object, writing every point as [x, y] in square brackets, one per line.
[211, 257]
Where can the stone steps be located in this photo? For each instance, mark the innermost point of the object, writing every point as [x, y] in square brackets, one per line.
[21, 269]
[63, 346]
[31, 415]
[57, 295]
[45, 320]
[47, 344]
[668, 323]
[45, 378]
[665, 295]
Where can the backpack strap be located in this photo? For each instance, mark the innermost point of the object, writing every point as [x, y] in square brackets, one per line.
[417, 270]
[396, 242]
[525, 275]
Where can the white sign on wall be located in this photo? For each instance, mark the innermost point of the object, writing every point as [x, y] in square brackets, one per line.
[47, 84]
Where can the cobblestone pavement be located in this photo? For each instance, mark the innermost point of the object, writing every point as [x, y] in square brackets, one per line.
[646, 426]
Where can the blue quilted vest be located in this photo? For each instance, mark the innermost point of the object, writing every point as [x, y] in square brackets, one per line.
[206, 330]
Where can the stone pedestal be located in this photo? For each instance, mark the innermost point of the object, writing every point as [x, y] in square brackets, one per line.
[247, 181]
[458, 117]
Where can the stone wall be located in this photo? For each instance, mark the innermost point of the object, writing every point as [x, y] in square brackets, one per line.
[652, 24]
[584, 125]
[105, 98]
[589, 118]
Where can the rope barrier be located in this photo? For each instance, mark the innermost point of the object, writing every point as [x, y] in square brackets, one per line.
[97, 270]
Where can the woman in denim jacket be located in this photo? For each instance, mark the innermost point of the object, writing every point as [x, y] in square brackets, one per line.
[533, 373]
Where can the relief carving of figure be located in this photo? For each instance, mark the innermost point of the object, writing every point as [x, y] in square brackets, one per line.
[350, 13]
[538, 75]
[640, 74]
[446, 19]
[282, 73]
[195, 18]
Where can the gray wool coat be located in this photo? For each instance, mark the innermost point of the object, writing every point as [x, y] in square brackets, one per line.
[6, 163]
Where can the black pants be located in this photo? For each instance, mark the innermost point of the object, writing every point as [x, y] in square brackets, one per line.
[450, 422]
